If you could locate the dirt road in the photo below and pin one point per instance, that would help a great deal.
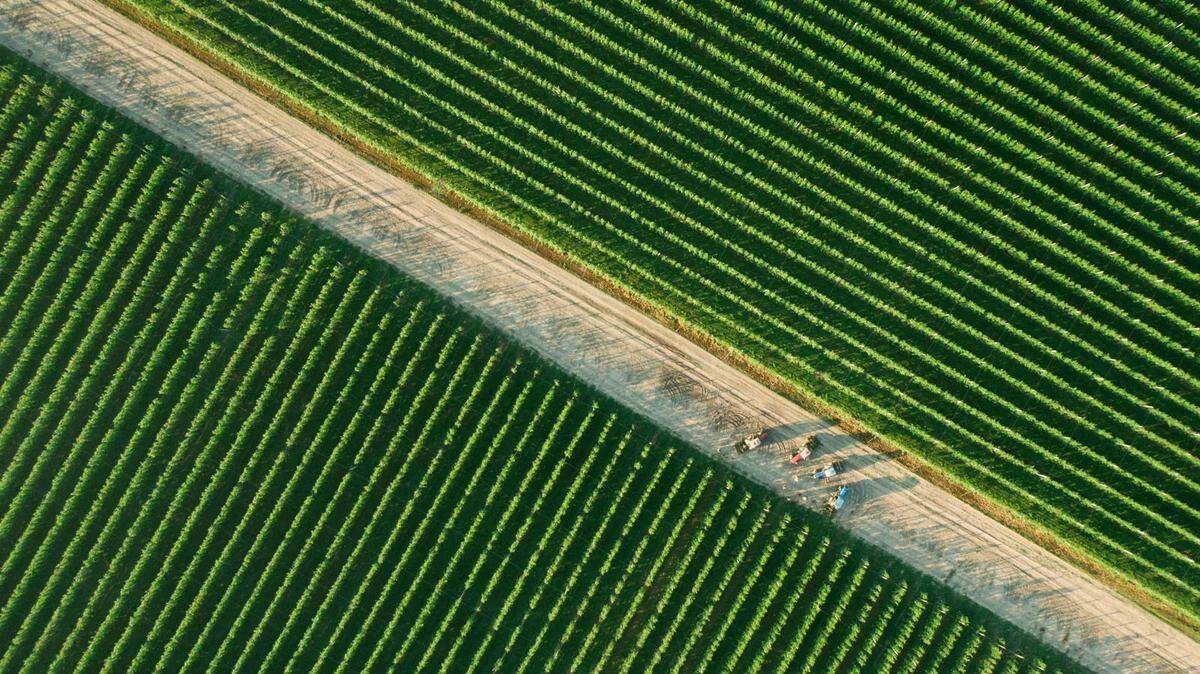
(623, 352)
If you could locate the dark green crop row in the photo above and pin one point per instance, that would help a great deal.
(232, 443)
(971, 228)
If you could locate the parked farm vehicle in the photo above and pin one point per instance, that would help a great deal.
(811, 442)
(836, 500)
(752, 441)
(831, 469)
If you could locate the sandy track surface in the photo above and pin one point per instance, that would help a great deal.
(595, 336)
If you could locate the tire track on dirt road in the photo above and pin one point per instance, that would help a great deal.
(595, 336)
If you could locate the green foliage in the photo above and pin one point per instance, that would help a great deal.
(233, 443)
(970, 227)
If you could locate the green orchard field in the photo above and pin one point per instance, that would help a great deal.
(971, 228)
(230, 442)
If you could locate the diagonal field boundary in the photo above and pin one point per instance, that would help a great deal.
(593, 335)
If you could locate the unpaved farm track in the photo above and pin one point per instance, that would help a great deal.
(597, 337)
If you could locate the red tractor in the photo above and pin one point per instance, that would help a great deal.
(811, 442)
(752, 441)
